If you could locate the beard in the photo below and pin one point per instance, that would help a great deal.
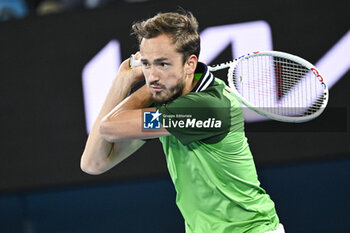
(172, 93)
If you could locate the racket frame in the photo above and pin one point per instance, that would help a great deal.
(292, 119)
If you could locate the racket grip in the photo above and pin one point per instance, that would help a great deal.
(134, 62)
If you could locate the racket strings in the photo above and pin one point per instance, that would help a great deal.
(278, 85)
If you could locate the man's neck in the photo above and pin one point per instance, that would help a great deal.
(190, 84)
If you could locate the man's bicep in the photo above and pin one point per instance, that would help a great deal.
(129, 125)
(122, 150)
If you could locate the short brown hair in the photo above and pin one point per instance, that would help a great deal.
(182, 28)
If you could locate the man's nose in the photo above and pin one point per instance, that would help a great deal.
(153, 75)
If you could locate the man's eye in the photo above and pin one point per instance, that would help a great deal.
(145, 64)
(163, 64)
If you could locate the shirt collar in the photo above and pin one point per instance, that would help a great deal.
(206, 78)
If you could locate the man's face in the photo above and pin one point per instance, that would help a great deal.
(163, 68)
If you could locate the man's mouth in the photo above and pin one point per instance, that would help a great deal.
(157, 88)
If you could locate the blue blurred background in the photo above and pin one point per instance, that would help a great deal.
(57, 54)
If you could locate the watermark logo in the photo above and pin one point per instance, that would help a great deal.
(151, 119)
(175, 121)
(157, 120)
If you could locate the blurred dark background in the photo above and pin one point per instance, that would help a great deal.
(50, 48)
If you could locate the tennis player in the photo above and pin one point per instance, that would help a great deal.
(208, 156)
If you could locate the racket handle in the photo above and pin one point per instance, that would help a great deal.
(134, 62)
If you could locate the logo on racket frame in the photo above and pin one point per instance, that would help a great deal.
(318, 76)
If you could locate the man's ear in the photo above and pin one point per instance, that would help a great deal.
(191, 64)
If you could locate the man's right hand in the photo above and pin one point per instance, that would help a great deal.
(133, 75)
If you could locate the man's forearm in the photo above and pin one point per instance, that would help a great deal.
(142, 98)
(95, 158)
(124, 122)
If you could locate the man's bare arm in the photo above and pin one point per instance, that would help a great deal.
(125, 122)
(99, 154)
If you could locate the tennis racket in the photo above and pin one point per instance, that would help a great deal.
(274, 84)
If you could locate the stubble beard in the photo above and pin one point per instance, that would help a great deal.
(174, 93)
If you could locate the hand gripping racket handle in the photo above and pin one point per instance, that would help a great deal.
(134, 62)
